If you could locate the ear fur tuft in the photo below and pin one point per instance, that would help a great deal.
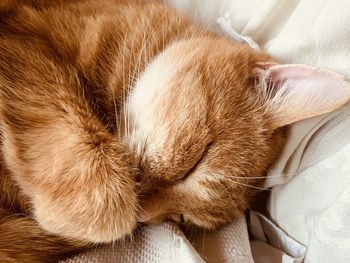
(296, 92)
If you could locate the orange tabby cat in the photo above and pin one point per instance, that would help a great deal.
(118, 112)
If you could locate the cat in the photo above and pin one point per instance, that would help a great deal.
(119, 112)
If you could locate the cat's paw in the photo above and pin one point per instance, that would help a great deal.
(93, 215)
(99, 205)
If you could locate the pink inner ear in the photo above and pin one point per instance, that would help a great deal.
(301, 91)
(282, 73)
(302, 72)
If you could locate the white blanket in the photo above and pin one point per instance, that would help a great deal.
(310, 199)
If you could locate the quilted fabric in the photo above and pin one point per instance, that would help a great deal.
(168, 243)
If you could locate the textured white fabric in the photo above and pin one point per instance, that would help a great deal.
(168, 244)
(314, 206)
(270, 244)
(311, 195)
(228, 244)
(153, 244)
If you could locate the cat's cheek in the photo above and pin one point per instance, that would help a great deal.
(95, 223)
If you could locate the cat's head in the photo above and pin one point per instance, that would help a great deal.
(206, 120)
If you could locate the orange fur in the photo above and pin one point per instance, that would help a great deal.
(114, 112)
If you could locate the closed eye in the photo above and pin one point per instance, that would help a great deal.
(200, 159)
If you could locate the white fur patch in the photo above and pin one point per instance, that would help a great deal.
(145, 106)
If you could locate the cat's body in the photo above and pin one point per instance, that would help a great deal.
(98, 95)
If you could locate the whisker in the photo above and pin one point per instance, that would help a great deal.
(249, 186)
(259, 177)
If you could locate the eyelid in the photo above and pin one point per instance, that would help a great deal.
(204, 153)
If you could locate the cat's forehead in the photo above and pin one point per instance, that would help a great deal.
(179, 80)
(163, 97)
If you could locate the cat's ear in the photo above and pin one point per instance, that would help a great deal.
(297, 92)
